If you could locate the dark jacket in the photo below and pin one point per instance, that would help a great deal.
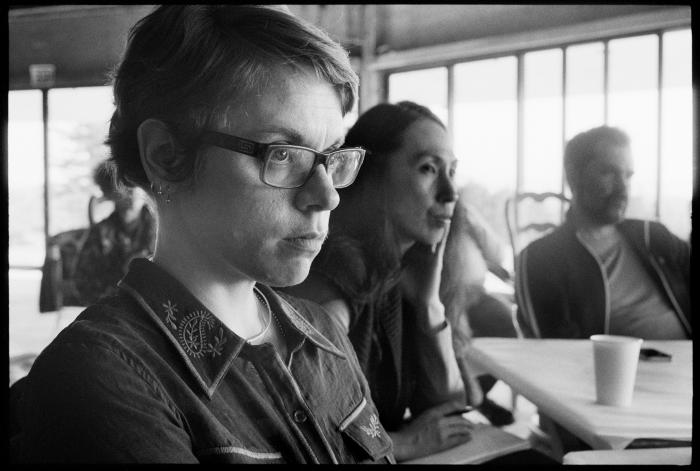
(562, 290)
(150, 375)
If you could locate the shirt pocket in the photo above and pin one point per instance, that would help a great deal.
(361, 427)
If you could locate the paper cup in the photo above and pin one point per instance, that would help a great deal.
(615, 360)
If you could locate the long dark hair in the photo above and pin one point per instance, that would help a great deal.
(361, 242)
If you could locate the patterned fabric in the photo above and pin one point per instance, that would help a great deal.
(151, 375)
(402, 365)
(105, 255)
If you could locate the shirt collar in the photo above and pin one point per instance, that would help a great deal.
(203, 342)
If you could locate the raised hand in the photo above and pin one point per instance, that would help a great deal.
(420, 282)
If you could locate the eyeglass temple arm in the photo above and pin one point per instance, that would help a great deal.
(233, 143)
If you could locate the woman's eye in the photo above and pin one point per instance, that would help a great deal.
(427, 168)
(280, 155)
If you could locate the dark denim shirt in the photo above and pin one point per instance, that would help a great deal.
(150, 375)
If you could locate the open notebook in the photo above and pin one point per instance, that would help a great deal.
(487, 443)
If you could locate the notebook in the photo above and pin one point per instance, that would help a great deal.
(487, 443)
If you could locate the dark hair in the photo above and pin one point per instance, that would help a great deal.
(359, 226)
(587, 146)
(184, 63)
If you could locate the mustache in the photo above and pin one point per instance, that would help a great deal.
(617, 196)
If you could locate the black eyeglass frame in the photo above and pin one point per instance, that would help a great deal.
(261, 151)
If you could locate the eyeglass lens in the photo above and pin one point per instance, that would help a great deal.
(289, 167)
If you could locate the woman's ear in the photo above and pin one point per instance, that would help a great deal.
(159, 152)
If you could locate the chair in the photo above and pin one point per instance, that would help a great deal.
(57, 274)
(521, 233)
(530, 216)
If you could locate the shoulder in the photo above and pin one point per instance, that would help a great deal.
(645, 233)
(114, 327)
(552, 242)
(642, 228)
(342, 262)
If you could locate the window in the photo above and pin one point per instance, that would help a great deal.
(514, 113)
(485, 119)
(412, 86)
(78, 125)
(25, 178)
(633, 107)
(676, 176)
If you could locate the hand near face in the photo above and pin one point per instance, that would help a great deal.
(430, 432)
(420, 281)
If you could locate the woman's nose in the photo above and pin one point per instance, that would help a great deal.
(447, 190)
(318, 193)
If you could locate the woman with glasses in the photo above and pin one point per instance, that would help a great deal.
(231, 118)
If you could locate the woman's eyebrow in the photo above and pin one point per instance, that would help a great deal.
(296, 138)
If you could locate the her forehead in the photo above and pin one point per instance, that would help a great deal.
(426, 138)
(293, 103)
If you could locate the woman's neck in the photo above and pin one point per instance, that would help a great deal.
(227, 294)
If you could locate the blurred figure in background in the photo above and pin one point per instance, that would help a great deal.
(600, 273)
(127, 233)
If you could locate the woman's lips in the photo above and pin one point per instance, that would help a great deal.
(440, 219)
(306, 242)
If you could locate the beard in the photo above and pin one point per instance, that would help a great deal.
(610, 210)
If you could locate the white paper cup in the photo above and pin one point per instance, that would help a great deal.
(615, 359)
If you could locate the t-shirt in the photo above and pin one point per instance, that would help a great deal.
(637, 306)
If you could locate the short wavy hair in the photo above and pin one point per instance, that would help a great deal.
(586, 146)
(184, 63)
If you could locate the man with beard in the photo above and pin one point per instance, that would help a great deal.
(599, 273)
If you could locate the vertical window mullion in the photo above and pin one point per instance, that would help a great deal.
(450, 102)
(659, 125)
(45, 123)
(564, 93)
(520, 149)
(606, 81)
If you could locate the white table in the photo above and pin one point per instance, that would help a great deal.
(557, 376)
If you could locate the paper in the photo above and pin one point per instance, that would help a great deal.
(487, 442)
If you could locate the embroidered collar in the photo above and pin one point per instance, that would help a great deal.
(204, 343)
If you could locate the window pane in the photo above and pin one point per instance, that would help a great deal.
(25, 178)
(585, 104)
(485, 114)
(633, 107)
(542, 125)
(677, 133)
(78, 124)
(427, 87)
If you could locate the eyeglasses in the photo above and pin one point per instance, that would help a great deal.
(288, 166)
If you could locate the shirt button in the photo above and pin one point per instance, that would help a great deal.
(299, 416)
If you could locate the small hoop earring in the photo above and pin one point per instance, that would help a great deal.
(161, 190)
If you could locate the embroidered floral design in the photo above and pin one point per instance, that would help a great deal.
(193, 335)
(373, 430)
(219, 341)
(170, 310)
